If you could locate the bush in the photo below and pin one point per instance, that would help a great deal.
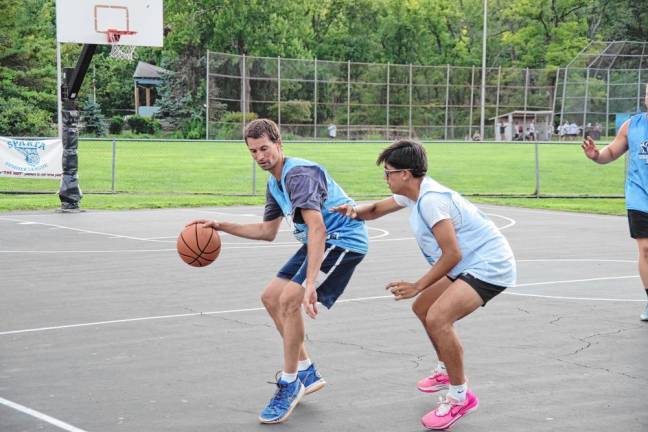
(20, 118)
(116, 125)
(143, 125)
(230, 124)
(294, 112)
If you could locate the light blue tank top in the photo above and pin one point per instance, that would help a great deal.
(341, 231)
(485, 252)
(636, 186)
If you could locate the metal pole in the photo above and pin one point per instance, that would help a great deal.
(279, 92)
(114, 164)
(537, 171)
(587, 73)
(315, 104)
(348, 99)
(564, 95)
(58, 90)
(94, 84)
(607, 104)
(526, 91)
(639, 89)
(472, 99)
(499, 78)
(387, 135)
(253, 177)
(555, 95)
(483, 83)
(243, 95)
(410, 102)
(445, 128)
(207, 98)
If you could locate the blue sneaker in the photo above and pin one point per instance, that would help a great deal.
(644, 314)
(283, 402)
(311, 379)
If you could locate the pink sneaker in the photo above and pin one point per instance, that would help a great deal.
(436, 382)
(449, 411)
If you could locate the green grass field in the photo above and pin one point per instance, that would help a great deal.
(178, 174)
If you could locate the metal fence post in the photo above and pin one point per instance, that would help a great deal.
(315, 103)
(587, 74)
(526, 95)
(410, 101)
(207, 98)
(497, 100)
(279, 92)
(387, 135)
(114, 164)
(564, 96)
(639, 87)
(537, 171)
(607, 104)
(445, 128)
(348, 99)
(243, 98)
(253, 177)
(472, 99)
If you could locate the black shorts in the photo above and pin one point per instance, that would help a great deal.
(638, 222)
(336, 270)
(485, 290)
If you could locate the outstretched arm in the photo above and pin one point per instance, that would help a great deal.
(610, 152)
(369, 211)
(266, 230)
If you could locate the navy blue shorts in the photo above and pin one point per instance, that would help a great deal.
(336, 270)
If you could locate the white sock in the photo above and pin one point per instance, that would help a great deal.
(302, 365)
(441, 368)
(458, 392)
(288, 377)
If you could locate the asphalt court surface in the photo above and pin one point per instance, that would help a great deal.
(104, 328)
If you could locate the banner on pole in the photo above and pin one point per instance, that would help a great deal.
(31, 158)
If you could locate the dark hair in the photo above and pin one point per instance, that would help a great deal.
(405, 154)
(259, 127)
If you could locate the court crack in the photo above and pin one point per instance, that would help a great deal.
(416, 360)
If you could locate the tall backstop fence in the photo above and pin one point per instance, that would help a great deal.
(318, 99)
(165, 167)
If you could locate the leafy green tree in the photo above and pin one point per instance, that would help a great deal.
(27, 66)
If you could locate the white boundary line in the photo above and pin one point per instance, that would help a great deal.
(358, 299)
(39, 415)
(378, 238)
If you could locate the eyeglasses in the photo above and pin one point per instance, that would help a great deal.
(389, 171)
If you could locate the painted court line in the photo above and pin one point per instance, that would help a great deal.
(39, 415)
(358, 299)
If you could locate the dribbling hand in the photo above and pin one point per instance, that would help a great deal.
(207, 223)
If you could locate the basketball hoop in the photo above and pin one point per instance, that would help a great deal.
(120, 52)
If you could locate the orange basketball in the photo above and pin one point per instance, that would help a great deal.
(198, 245)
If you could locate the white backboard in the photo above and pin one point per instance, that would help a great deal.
(88, 21)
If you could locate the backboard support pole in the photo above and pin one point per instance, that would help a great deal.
(69, 191)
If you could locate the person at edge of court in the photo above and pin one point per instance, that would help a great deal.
(470, 263)
(633, 139)
(332, 246)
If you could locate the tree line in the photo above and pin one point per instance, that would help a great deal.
(540, 34)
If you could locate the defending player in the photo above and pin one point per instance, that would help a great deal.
(333, 245)
(470, 263)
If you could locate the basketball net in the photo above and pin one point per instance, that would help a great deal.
(120, 52)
